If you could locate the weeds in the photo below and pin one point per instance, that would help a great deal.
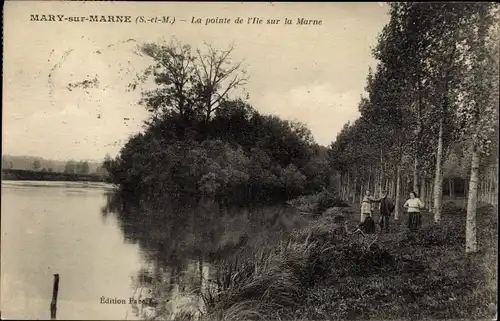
(314, 275)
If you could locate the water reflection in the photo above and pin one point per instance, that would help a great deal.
(56, 227)
(181, 241)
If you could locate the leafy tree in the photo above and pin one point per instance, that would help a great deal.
(478, 110)
(82, 167)
(36, 165)
(190, 83)
(70, 167)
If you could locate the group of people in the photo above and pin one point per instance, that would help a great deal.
(413, 205)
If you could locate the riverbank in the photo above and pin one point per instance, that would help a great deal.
(319, 274)
(71, 185)
(27, 175)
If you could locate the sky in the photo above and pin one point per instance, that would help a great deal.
(315, 74)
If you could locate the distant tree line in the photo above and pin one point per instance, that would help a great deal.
(199, 142)
(46, 165)
(73, 167)
(45, 175)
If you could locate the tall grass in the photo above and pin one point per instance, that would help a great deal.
(267, 283)
(314, 274)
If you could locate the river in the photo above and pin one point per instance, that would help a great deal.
(106, 250)
(54, 227)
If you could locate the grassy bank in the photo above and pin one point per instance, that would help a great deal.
(403, 276)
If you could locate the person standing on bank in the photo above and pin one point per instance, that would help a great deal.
(386, 209)
(413, 205)
(367, 224)
(366, 206)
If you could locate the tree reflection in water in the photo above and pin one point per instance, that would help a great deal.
(180, 241)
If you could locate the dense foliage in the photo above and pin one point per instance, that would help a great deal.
(199, 142)
(246, 157)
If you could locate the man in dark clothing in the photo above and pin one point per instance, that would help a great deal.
(386, 209)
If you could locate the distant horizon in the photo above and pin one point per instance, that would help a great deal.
(91, 160)
(94, 160)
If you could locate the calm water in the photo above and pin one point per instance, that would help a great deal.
(51, 227)
(103, 246)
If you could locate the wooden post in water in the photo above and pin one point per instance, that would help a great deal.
(53, 304)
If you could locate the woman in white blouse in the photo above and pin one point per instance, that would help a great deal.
(413, 205)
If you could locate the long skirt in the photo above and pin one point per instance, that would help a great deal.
(414, 220)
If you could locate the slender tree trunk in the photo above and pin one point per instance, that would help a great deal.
(416, 167)
(381, 170)
(485, 186)
(438, 180)
(450, 188)
(361, 199)
(200, 268)
(423, 197)
(490, 186)
(470, 233)
(483, 189)
(361, 191)
(495, 194)
(393, 186)
(431, 193)
(355, 190)
(369, 179)
(478, 191)
(352, 196)
(429, 199)
(398, 191)
(343, 185)
(484, 179)
(405, 186)
(415, 174)
(346, 197)
(427, 194)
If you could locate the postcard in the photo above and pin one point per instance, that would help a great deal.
(249, 160)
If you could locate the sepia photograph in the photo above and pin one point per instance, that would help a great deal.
(234, 161)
